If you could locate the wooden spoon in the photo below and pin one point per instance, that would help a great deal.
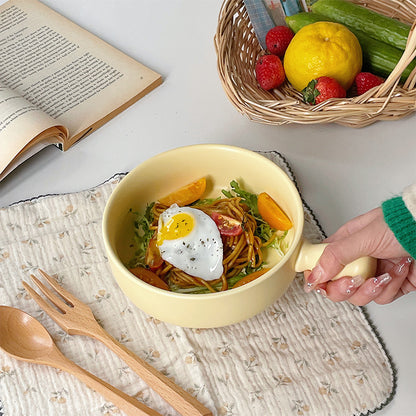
(24, 338)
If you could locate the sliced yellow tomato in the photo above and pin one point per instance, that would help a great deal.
(149, 277)
(185, 195)
(272, 213)
(250, 277)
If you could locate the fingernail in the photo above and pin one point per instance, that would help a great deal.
(381, 281)
(354, 283)
(315, 275)
(322, 292)
(398, 267)
(308, 287)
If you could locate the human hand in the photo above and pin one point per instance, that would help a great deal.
(365, 235)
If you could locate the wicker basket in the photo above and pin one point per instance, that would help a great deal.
(238, 50)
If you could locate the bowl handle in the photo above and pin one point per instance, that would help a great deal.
(309, 255)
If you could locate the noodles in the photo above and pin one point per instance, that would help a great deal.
(241, 233)
(240, 251)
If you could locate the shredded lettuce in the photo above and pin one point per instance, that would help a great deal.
(202, 202)
(142, 235)
(247, 197)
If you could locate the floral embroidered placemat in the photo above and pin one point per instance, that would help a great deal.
(303, 356)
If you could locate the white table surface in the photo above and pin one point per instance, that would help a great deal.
(342, 172)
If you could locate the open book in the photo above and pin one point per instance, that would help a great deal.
(58, 82)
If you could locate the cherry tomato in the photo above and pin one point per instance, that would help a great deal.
(227, 225)
(153, 258)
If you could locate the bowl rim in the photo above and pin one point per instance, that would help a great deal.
(220, 147)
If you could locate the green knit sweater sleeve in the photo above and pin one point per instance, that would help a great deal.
(401, 220)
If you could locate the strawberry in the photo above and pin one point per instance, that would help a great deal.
(278, 39)
(269, 72)
(321, 89)
(364, 81)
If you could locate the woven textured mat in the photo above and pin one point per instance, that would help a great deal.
(304, 355)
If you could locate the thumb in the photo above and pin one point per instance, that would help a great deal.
(339, 253)
(356, 224)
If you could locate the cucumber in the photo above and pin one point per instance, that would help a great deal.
(379, 27)
(297, 21)
(378, 57)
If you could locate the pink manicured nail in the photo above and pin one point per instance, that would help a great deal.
(381, 281)
(354, 283)
(315, 275)
(322, 292)
(313, 279)
(308, 287)
(398, 267)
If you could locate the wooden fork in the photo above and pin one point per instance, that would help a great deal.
(76, 318)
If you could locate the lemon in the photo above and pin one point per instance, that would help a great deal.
(323, 49)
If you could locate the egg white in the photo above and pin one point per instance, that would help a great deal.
(199, 253)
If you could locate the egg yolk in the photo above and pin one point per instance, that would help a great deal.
(179, 226)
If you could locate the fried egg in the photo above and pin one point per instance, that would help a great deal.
(189, 239)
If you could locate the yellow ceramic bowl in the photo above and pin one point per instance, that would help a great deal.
(168, 171)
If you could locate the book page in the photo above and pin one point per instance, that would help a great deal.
(64, 70)
(22, 126)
